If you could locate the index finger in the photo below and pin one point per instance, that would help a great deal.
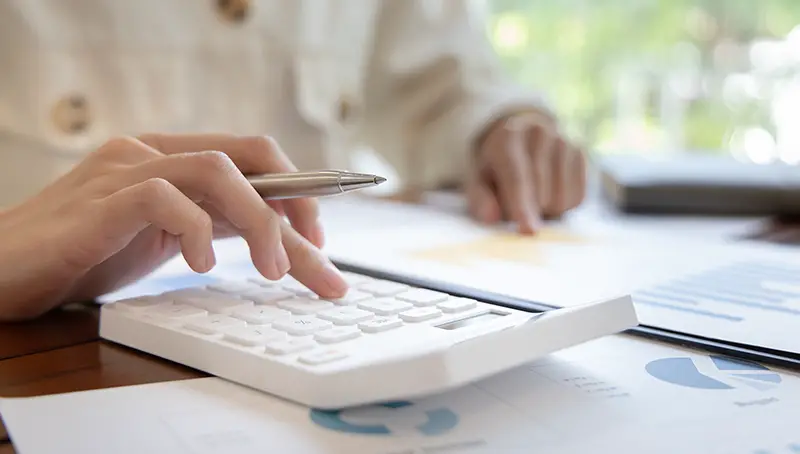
(252, 155)
(514, 180)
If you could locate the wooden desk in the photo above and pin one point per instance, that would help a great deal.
(62, 352)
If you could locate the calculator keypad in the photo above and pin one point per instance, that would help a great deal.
(284, 317)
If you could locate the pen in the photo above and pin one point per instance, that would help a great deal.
(275, 186)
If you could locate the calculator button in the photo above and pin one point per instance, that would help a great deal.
(260, 315)
(352, 297)
(457, 305)
(380, 324)
(262, 282)
(294, 345)
(142, 303)
(221, 303)
(383, 288)
(301, 325)
(422, 297)
(230, 287)
(385, 306)
(176, 311)
(213, 324)
(253, 335)
(181, 294)
(266, 296)
(297, 288)
(322, 357)
(346, 315)
(303, 306)
(337, 334)
(420, 314)
(354, 279)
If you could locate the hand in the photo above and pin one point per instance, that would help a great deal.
(525, 170)
(135, 203)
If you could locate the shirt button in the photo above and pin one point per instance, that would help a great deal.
(346, 111)
(234, 10)
(71, 114)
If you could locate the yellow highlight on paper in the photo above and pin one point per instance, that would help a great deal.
(507, 247)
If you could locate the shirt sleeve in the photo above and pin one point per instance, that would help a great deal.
(434, 85)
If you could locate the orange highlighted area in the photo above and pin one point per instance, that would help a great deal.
(507, 247)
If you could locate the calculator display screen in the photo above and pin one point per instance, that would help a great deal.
(474, 320)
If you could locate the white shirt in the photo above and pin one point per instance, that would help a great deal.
(414, 80)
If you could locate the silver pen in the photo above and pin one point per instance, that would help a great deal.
(275, 186)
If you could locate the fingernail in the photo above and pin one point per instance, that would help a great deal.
(282, 263)
(210, 259)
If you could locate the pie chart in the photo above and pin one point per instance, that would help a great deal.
(726, 374)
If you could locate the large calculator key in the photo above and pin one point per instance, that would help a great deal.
(354, 279)
(222, 303)
(422, 297)
(260, 315)
(231, 287)
(385, 306)
(347, 315)
(454, 305)
(380, 324)
(263, 282)
(213, 324)
(176, 312)
(322, 357)
(142, 303)
(352, 297)
(301, 325)
(383, 288)
(184, 293)
(420, 314)
(253, 335)
(304, 306)
(337, 334)
(297, 288)
(292, 345)
(266, 296)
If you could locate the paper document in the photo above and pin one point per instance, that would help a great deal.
(615, 394)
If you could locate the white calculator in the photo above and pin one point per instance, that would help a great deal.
(383, 341)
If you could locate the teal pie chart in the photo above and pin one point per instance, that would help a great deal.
(727, 374)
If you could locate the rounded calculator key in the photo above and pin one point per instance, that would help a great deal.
(385, 306)
(291, 345)
(337, 334)
(181, 294)
(231, 287)
(304, 306)
(219, 304)
(354, 279)
(380, 324)
(262, 282)
(301, 325)
(141, 303)
(213, 324)
(266, 296)
(454, 305)
(322, 357)
(422, 297)
(346, 315)
(383, 288)
(297, 288)
(176, 312)
(260, 315)
(253, 336)
(420, 314)
(352, 297)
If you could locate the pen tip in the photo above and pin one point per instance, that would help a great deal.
(379, 180)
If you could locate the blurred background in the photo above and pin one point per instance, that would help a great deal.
(662, 76)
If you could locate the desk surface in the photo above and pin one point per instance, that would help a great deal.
(62, 352)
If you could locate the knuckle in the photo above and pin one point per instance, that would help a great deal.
(262, 144)
(153, 190)
(214, 163)
(116, 145)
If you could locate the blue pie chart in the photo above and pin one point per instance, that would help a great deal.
(683, 371)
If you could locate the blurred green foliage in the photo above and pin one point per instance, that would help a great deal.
(577, 51)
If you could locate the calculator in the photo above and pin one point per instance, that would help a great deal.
(383, 341)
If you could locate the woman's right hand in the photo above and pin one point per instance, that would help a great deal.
(136, 202)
